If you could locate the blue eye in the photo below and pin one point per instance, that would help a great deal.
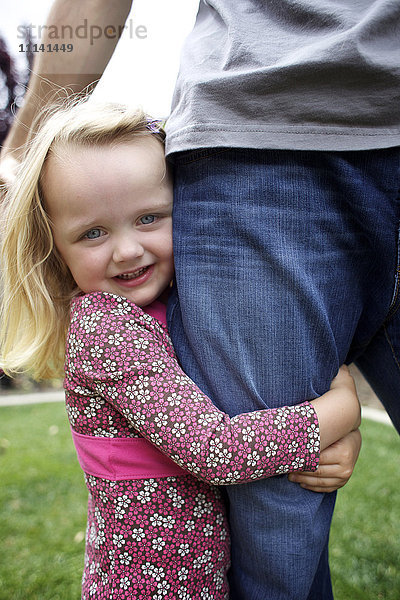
(93, 234)
(147, 219)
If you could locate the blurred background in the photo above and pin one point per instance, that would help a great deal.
(144, 66)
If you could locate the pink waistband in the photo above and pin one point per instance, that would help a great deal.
(122, 458)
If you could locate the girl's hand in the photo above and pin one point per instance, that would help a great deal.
(338, 410)
(336, 465)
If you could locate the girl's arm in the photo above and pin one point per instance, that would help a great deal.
(117, 352)
(338, 408)
(336, 465)
(339, 457)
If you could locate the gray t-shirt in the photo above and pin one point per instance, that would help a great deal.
(289, 74)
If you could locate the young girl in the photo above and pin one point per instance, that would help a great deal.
(89, 220)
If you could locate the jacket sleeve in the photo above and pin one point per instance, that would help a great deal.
(124, 356)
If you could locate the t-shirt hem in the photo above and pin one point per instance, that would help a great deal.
(290, 138)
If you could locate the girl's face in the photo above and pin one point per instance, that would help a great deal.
(111, 213)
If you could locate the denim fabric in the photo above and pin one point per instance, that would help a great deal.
(286, 267)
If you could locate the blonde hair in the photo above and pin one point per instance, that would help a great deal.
(37, 286)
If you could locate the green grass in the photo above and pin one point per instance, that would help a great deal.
(42, 505)
(365, 539)
(43, 512)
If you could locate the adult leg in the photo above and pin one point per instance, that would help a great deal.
(380, 364)
(275, 257)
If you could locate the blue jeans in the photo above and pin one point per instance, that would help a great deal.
(286, 267)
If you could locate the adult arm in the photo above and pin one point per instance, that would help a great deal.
(56, 74)
(126, 361)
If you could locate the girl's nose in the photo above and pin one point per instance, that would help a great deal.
(127, 248)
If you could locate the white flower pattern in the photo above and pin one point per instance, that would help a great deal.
(151, 538)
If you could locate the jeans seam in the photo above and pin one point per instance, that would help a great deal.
(394, 304)
(393, 307)
(364, 345)
(391, 346)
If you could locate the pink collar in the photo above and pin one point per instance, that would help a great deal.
(158, 310)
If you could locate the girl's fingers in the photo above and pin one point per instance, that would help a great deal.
(334, 485)
(335, 467)
(327, 478)
(320, 484)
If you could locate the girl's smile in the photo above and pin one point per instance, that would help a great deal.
(111, 214)
(134, 278)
